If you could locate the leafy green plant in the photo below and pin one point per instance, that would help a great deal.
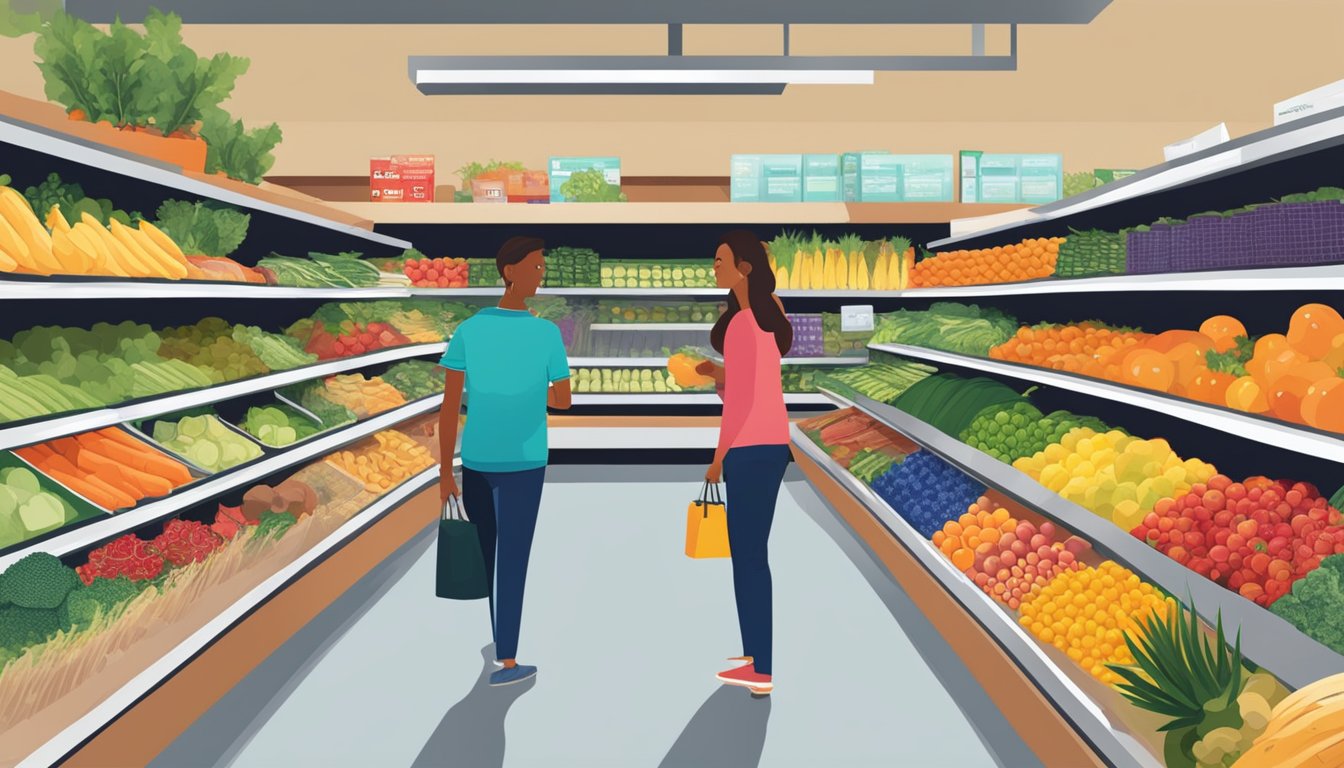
(591, 186)
(474, 169)
(27, 17)
(240, 153)
(204, 228)
(184, 85)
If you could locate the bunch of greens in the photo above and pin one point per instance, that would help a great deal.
(234, 150)
(1316, 604)
(209, 229)
(27, 17)
(473, 169)
(968, 330)
(73, 203)
(591, 186)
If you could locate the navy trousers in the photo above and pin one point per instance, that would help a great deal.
(504, 506)
(753, 475)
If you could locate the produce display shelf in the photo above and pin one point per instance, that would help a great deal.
(26, 433)
(39, 139)
(117, 702)
(85, 288)
(1292, 437)
(1322, 278)
(661, 362)
(1120, 749)
(1266, 639)
(691, 398)
(1281, 142)
(705, 327)
(91, 534)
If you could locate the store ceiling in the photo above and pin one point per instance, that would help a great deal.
(600, 11)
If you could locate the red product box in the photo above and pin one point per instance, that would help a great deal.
(402, 178)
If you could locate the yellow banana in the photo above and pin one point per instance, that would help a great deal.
(130, 262)
(73, 259)
(15, 208)
(162, 263)
(88, 239)
(162, 240)
(13, 244)
(56, 219)
(7, 263)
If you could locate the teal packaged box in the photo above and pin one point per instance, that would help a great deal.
(745, 179)
(880, 178)
(851, 175)
(821, 179)
(782, 178)
(999, 179)
(1040, 178)
(970, 175)
(926, 178)
(563, 167)
(1107, 175)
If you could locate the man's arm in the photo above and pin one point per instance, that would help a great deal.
(450, 417)
(559, 396)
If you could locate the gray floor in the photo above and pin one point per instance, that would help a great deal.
(627, 633)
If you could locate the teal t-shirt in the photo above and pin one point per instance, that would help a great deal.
(510, 358)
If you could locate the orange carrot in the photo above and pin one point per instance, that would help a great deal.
(103, 495)
(57, 461)
(154, 464)
(123, 437)
(66, 446)
(109, 472)
(152, 485)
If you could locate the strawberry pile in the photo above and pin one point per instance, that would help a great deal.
(128, 556)
(186, 541)
(436, 273)
(352, 339)
(1255, 537)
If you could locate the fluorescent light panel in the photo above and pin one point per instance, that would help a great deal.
(641, 76)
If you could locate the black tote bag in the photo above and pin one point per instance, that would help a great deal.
(461, 566)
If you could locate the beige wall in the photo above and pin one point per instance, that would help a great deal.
(1108, 94)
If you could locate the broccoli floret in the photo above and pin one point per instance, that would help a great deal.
(22, 627)
(39, 580)
(1316, 604)
(103, 596)
(274, 524)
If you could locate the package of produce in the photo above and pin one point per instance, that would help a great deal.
(1105, 603)
(279, 425)
(657, 274)
(384, 462)
(415, 379)
(1119, 477)
(950, 403)
(881, 381)
(967, 330)
(808, 340)
(927, 491)
(845, 438)
(311, 396)
(363, 397)
(572, 268)
(840, 343)
(1091, 253)
(109, 467)
(32, 504)
(1007, 558)
(1030, 259)
(1256, 537)
(323, 270)
(483, 273)
(615, 311)
(629, 381)
(206, 442)
(1010, 432)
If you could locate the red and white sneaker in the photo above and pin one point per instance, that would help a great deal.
(747, 677)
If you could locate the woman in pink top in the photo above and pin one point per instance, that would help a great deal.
(753, 449)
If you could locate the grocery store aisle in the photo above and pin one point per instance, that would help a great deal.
(627, 632)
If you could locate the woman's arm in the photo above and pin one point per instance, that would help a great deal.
(450, 417)
(559, 395)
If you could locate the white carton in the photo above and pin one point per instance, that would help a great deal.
(1319, 100)
(1210, 138)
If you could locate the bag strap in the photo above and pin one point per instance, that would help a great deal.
(454, 510)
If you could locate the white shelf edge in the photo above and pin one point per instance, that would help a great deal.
(1081, 710)
(107, 159)
(184, 289)
(1278, 434)
(661, 362)
(687, 398)
(61, 426)
(704, 327)
(70, 739)
(1268, 640)
(109, 526)
(1286, 140)
(632, 438)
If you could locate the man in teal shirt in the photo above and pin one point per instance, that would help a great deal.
(512, 366)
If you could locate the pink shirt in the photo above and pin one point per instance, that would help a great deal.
(753, 393)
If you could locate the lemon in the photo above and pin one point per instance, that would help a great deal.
(1127, 515)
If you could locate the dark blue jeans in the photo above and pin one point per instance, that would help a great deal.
(753, 475)
(504, 506)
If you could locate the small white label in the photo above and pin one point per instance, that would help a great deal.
(855, 319)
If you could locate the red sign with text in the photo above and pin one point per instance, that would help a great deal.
(401, 179)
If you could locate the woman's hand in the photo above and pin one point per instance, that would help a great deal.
(715, 472)
(711, 369)
(448, 484)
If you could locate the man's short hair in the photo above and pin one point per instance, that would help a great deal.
(514, 250)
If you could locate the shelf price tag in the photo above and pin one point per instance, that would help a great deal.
(856, 318)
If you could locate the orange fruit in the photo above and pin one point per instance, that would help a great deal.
(1245, 394)
(1209, 387)
(1223, 330)
(1285, 397)
(1313, 330)
(1323, 405)
(1148, 369)
(1166, 341)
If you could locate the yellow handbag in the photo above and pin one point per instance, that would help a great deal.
(707, 525)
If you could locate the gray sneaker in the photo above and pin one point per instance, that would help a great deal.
(511, 675)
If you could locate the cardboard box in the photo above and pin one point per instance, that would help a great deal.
(1317, 100)
(821, 179)
(782, 178)
(1010, 178)
(999, 179)
(926, 178)
(1040, 178)
(561, 168)
(745, 179)
(402, 178)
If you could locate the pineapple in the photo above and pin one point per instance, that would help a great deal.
(898, 268)
(852, 248)
(782, 251)
(804, 264)
(799, 263)
(828, 276)
(880, 281)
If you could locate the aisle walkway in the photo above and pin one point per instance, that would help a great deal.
(627, 632)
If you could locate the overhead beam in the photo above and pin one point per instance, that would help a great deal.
(599, 11)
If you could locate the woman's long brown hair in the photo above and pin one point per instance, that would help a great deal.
(747, 247)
